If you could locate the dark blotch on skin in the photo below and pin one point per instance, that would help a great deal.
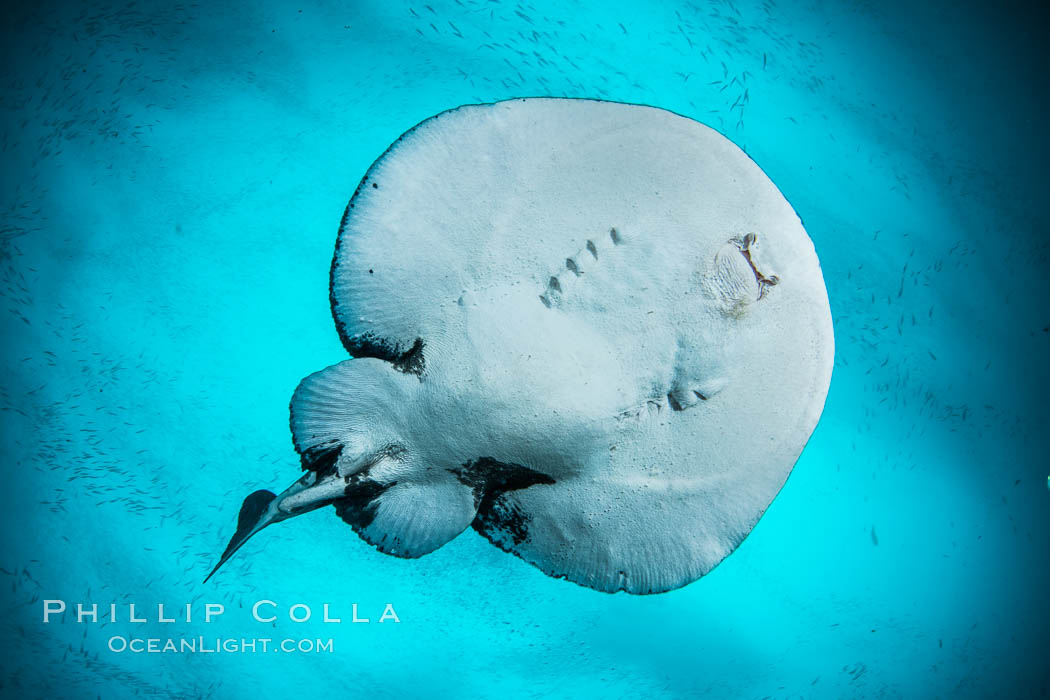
(410, 361)
(489, 480)
(358, 507)
(505, 517)
(321, 458)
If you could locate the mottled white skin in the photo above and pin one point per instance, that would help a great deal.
(643, 217)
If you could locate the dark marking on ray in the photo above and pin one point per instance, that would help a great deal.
(342, 224)
(412, 362)
(409, 361)
(488, 477)
(321, 458)
(570, 265)
(615, 236)
(358, 507)
(592, 248)
(503, 517)
(673, 402)
(490, 480)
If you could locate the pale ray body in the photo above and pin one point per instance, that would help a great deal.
(597, 332)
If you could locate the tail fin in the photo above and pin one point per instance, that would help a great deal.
(249, 519)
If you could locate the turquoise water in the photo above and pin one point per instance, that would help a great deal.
(173, 177)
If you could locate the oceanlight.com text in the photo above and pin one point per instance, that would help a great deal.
(218, 645)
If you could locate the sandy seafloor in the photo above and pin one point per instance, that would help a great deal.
(173, 176)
